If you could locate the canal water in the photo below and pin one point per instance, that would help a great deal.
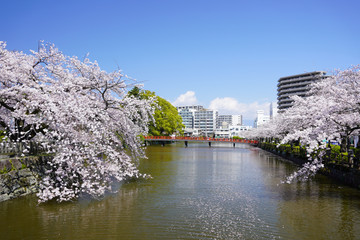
(198, 193)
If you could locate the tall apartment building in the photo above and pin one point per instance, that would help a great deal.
(229, 120)
(296, 85)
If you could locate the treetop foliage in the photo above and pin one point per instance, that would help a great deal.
(167, 120)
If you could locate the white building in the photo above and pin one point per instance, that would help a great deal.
(231, 131)
(229, 120)
(238, 131)
(261, 118)
(222, 133)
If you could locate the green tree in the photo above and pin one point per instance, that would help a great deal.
(167, 119)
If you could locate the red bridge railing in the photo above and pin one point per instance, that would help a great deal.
(200, 139)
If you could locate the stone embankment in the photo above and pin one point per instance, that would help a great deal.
(19, 176)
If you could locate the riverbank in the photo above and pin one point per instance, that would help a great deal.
(345, 175)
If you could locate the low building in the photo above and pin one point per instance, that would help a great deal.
(222, 133)
(231, 131)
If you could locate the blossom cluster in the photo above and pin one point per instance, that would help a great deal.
(80, 112)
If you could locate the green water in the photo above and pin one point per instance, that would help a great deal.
(197, 193)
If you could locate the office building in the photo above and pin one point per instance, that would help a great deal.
(205, 121)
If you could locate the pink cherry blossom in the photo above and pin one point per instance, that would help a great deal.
(78, 112)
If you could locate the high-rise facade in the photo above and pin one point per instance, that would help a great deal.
(295, 85)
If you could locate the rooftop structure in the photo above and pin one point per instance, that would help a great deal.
(194, 107)
(295, 85)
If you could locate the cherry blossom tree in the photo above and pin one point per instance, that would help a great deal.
(331, 111)
(78, 112)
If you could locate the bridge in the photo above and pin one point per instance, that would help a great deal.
(186, 140)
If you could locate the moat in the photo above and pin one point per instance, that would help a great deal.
(198, 192)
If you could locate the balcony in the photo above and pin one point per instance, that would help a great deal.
(313, 76)
(295, 91)
(285, 101)
(295, 85)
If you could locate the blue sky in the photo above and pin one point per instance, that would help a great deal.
(221, 54)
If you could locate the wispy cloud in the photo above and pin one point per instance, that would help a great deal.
(185, 99)
(226, 105)
(229, 105)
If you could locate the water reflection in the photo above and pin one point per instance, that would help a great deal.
(316, 209)
(198, 193)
